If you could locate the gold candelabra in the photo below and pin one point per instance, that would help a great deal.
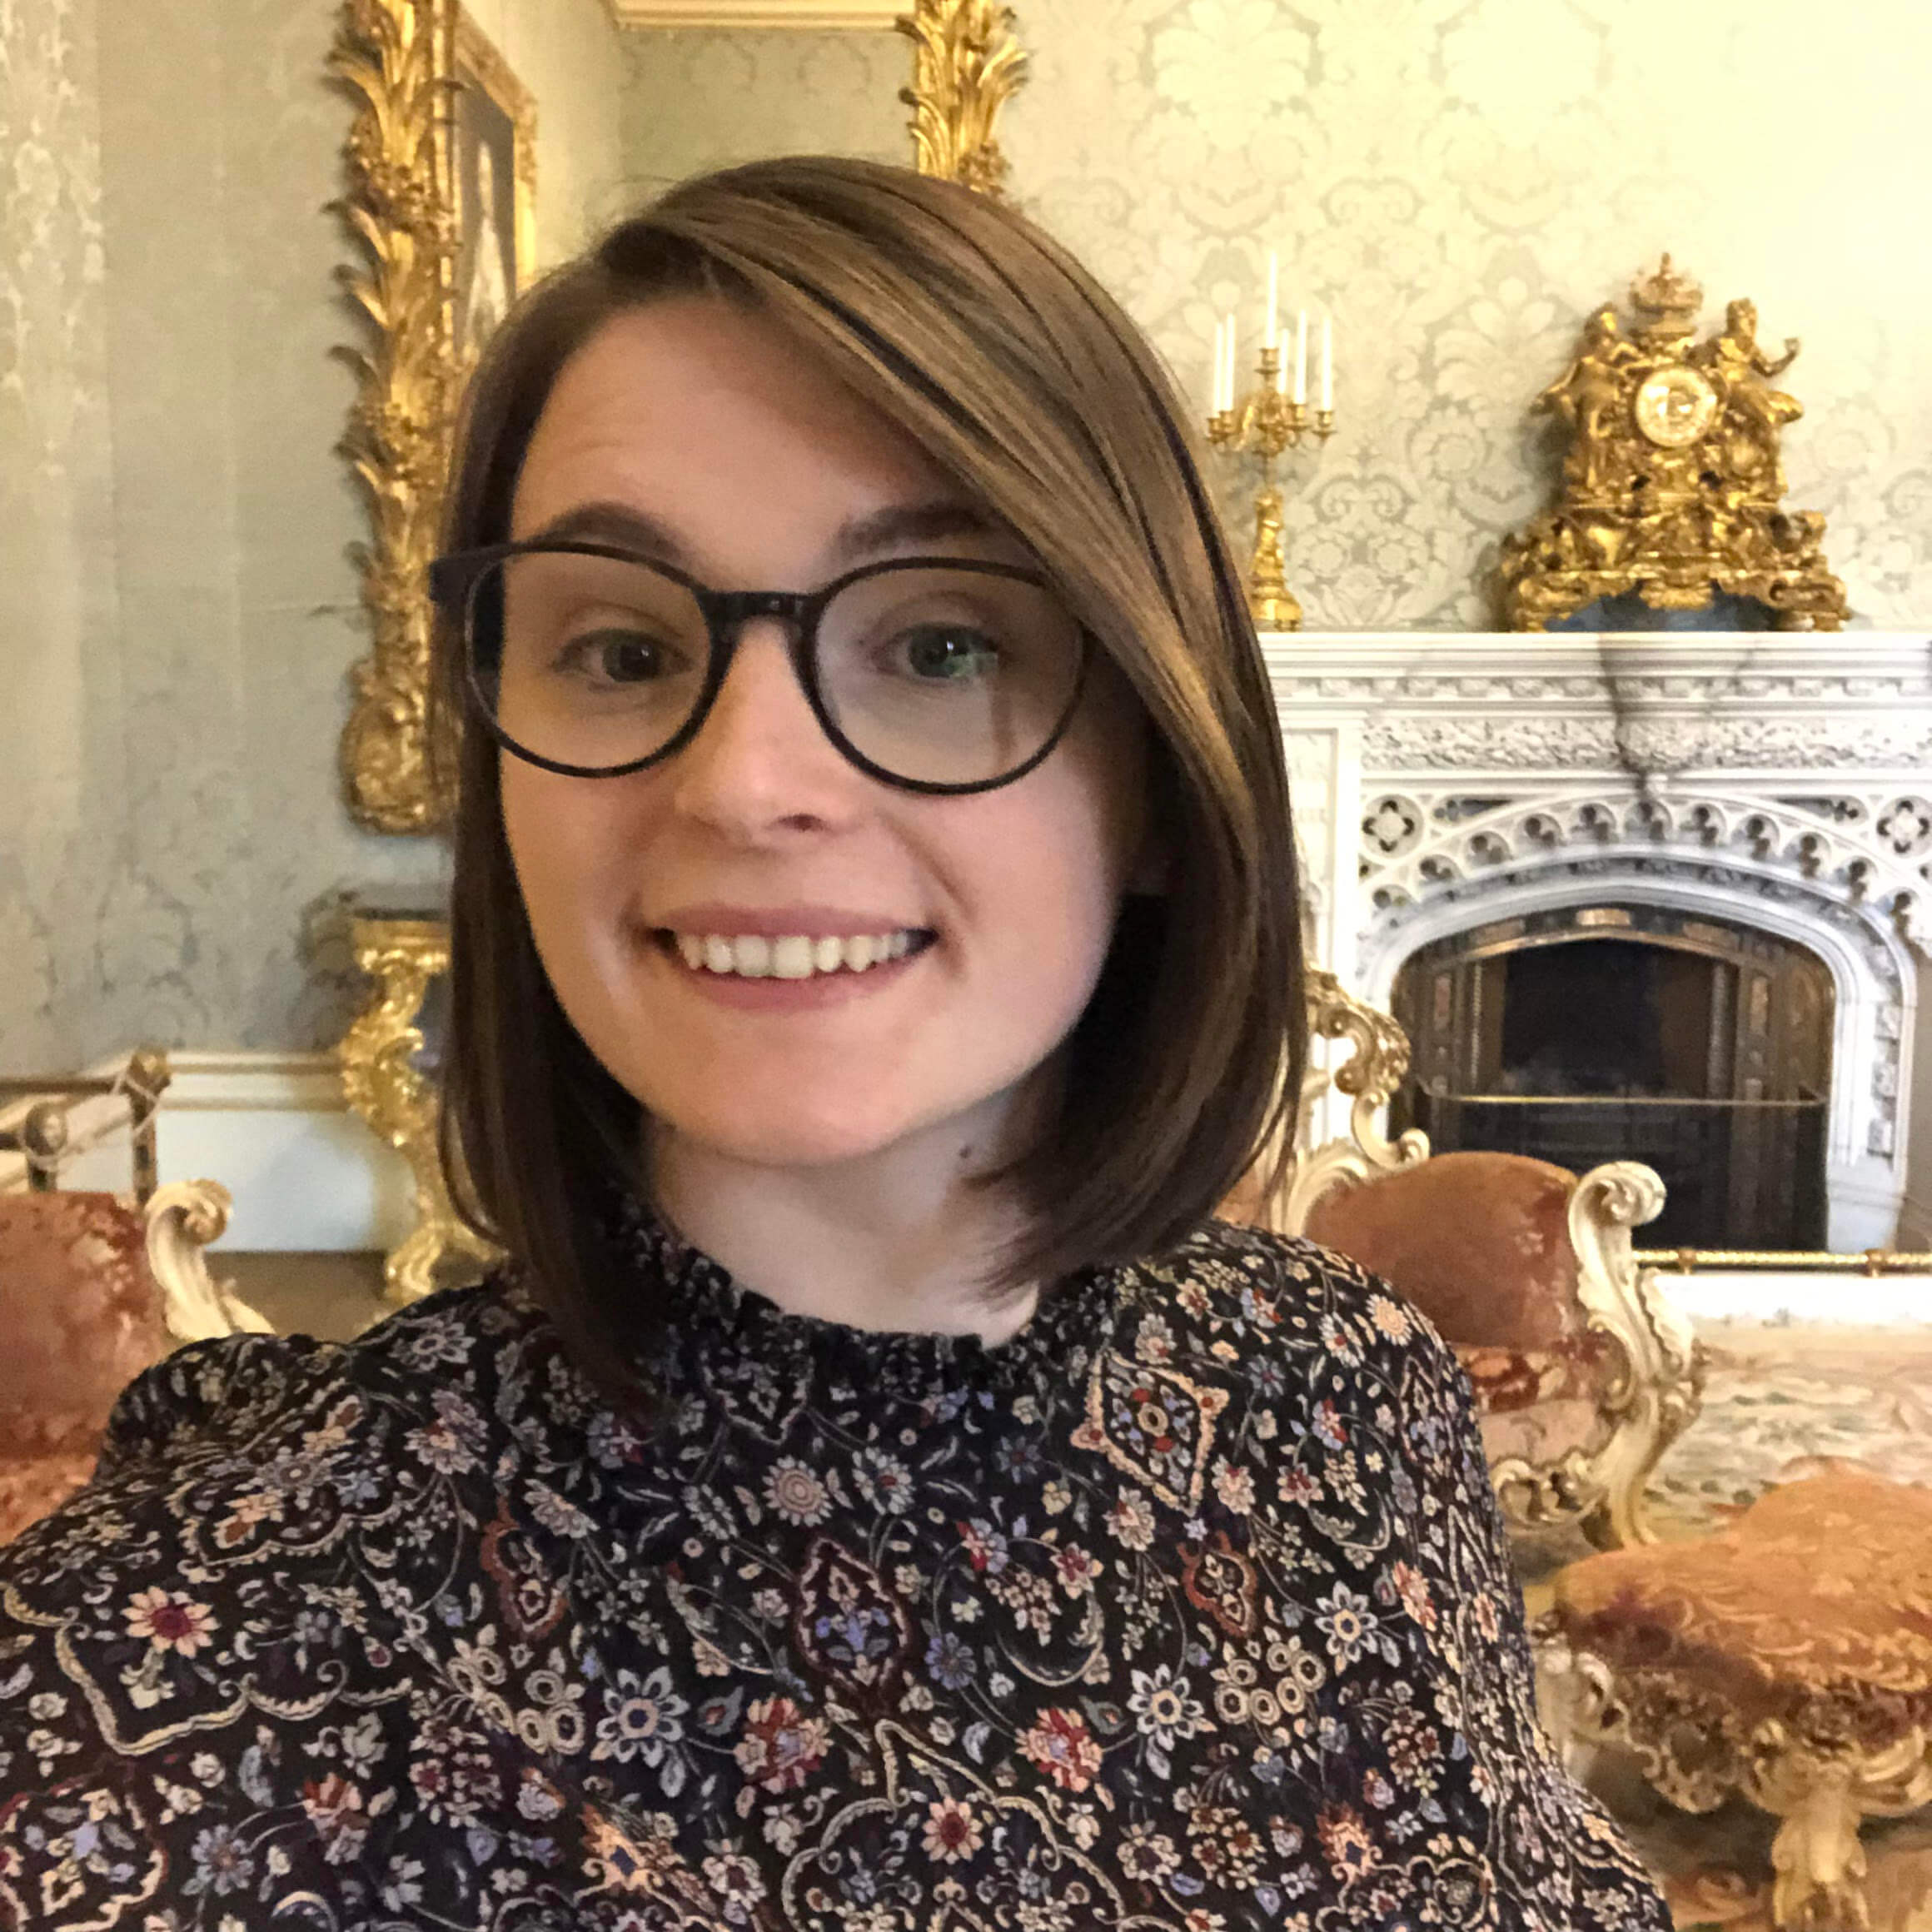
(1266, 423)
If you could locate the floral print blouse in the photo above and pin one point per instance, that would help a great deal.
(1185, 1610)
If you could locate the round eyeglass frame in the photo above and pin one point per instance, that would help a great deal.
(455, 579)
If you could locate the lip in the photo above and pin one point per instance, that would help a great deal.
(807, 922)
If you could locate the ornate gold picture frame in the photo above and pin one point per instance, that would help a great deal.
(445, 241)
(433, 96)
(492, 162)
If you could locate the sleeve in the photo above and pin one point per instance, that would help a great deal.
(1553, 1850)
(141, 1785)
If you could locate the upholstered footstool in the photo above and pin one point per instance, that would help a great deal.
(1789, 1658)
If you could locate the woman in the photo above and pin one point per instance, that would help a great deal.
(877, 1494)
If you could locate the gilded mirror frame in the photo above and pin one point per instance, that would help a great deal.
(405, 60)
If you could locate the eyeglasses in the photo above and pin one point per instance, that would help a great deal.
(933, 674)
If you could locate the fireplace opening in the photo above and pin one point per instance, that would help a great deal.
(1625, 1033)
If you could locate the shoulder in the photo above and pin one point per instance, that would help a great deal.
(210, 1450)
(1256, 1290)
(1305, 1329)
(265, 1510)
(221, 1394)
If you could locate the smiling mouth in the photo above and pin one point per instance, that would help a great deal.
(794, 956)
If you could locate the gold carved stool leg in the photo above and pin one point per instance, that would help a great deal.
(1822, 1801)
(383, 1084)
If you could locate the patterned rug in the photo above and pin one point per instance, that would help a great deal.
(1788, 1400)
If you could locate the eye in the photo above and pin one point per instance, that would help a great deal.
(948, 653)
(616, 656)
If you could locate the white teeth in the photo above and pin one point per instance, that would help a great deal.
(795, 956)
(751, 956)
(791, 958)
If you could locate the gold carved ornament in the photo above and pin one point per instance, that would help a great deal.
(395, 55)
(1673, 481)
(405, 60)
(1266, 423)
(966, 64)
(385, 1086)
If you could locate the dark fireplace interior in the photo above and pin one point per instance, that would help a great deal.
(1614, 1032)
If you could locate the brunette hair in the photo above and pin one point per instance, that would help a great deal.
(983, 340)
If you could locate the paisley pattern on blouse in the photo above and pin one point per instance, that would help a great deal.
(1186, 1610)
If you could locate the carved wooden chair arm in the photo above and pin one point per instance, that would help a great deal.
(182, 1218)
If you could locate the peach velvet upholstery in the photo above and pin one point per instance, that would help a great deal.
(80, 1316)
(1480, 1243)
(1814, 1609)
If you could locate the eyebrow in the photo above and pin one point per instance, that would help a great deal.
(856, 539)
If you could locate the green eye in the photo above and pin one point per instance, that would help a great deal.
(949, 653)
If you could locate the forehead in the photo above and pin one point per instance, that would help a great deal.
(703, 416)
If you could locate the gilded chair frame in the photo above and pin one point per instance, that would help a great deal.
(1654, 1395)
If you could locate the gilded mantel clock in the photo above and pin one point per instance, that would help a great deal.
(1673, 477)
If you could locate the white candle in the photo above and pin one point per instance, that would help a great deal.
(1214, 372)
(1231, 354)
(1327, 362)
(1301, 395)
(1271, 335)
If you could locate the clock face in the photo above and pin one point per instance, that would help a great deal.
(1675, 406)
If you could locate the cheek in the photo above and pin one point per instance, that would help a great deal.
(563, 837)
(1048, 873)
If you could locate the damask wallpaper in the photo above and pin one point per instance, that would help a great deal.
(176, 530)
(1458, 182)
(62, 711)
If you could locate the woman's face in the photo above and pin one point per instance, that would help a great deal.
(727, 453)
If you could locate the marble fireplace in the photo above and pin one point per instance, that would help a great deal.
(1746, 817)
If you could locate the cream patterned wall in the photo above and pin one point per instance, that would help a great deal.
(1459, 182)
(60, 714)
(704, 98)
(178, 600)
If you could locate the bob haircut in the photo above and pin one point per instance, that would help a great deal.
(985, 342)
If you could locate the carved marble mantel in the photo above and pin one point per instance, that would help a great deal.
(1779, 779)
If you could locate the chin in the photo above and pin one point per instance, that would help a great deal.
(795, 1135)
(793, 1146)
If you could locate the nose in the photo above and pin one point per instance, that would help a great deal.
(760, 763)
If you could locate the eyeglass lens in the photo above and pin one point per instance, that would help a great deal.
(936, 675)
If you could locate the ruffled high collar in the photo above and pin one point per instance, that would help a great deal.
(718, 1331)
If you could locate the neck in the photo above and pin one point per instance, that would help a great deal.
(895, 1239)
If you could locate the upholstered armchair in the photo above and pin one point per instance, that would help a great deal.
(94, 1287)
(1583, 1370)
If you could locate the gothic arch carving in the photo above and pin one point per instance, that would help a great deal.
(1874, 976)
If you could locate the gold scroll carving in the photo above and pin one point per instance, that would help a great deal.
(966, 65)
(1673, 480)
(383, 1083)
(413, 65)
(397, 55)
